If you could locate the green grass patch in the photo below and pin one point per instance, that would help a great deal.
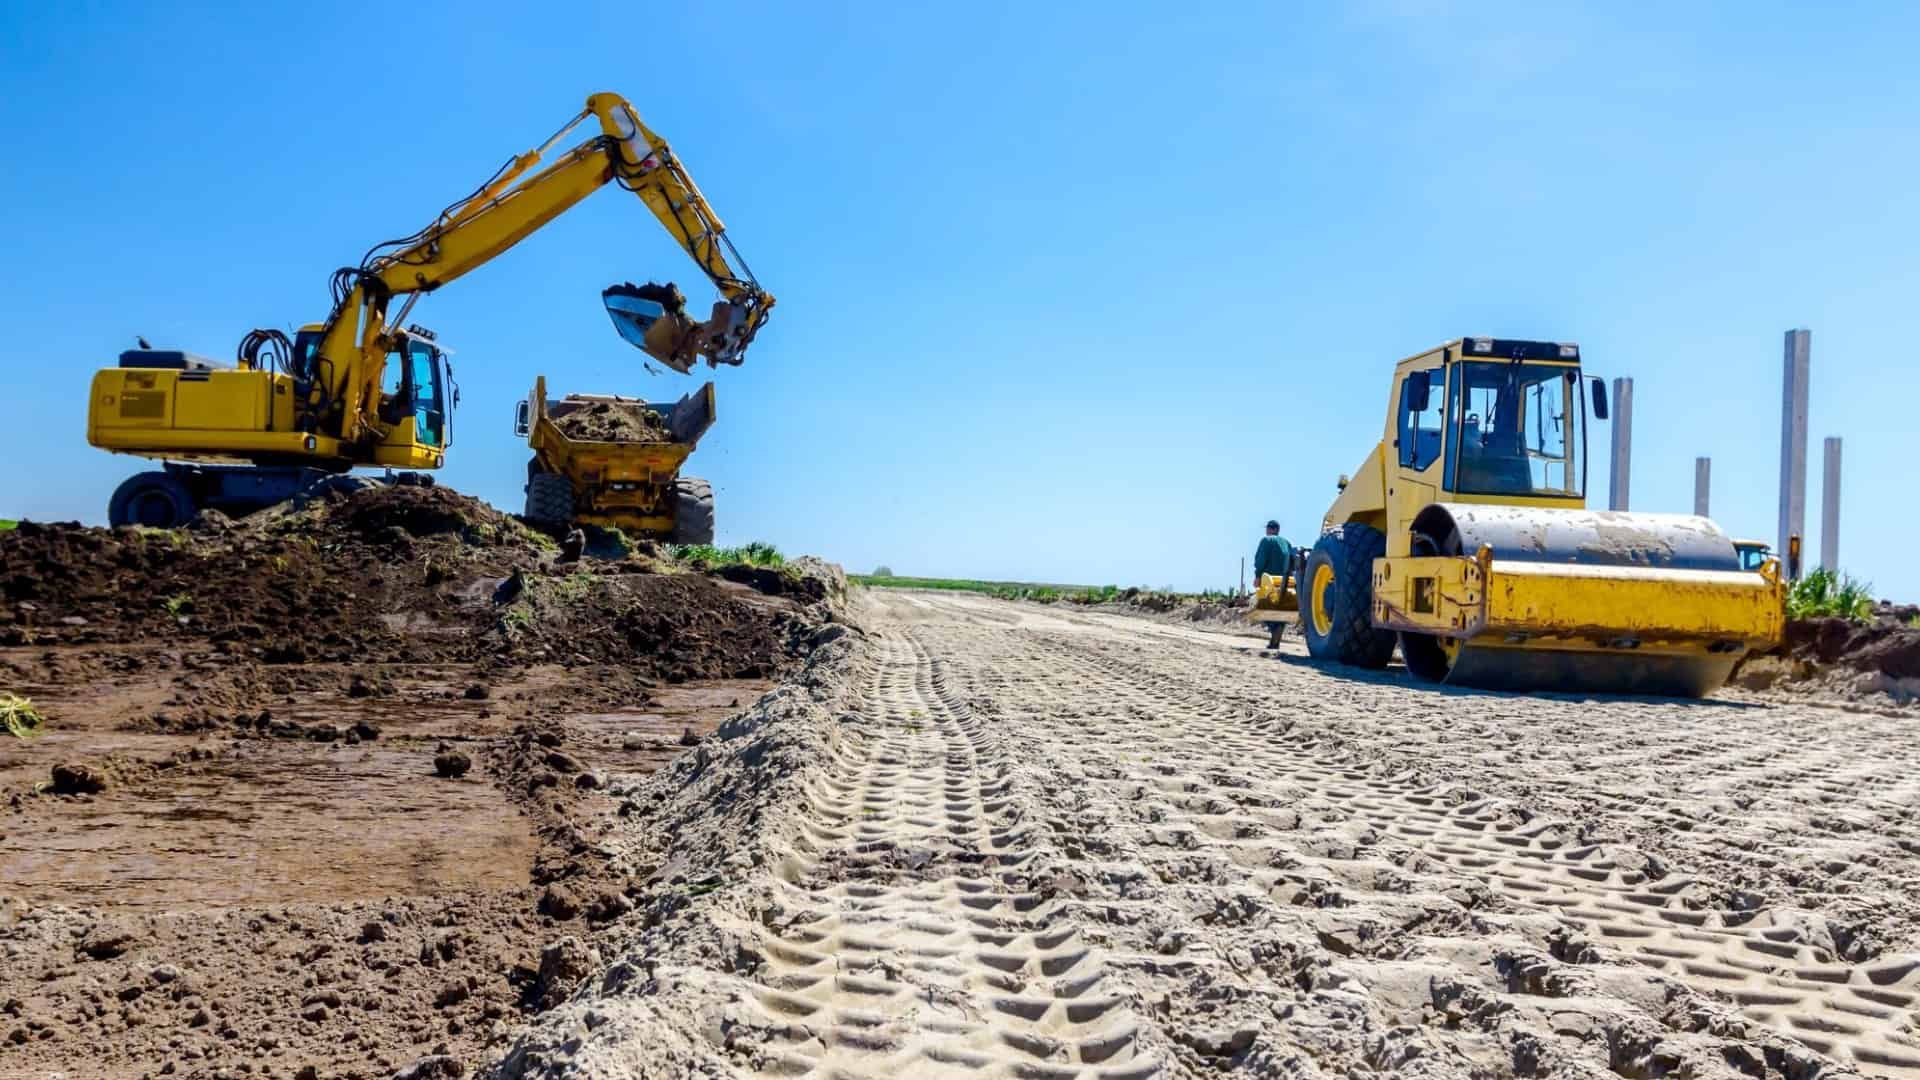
(6, 523)
(1041, 592)
(758, 553)
(19, 718)
(1825, 594)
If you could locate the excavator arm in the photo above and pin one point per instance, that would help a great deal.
(511, 206)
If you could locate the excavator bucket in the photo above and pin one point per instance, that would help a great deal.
(653, 319)
(1527, 598)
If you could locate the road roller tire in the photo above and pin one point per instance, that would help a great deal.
(1429, 658)
(1336, 599)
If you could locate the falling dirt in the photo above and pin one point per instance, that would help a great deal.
(609, 421)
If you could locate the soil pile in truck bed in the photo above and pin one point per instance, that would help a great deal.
(608, 421)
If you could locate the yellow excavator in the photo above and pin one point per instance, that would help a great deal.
(1464, 539)
(292, 414)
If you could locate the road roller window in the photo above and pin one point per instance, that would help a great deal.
(1422, 417)
(1516, 430)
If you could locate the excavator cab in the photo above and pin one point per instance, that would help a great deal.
(417, 398)
(419, 390)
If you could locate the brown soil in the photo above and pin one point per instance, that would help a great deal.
(1876, 661)
(1885, 646)
(607, 421)
(344, 807)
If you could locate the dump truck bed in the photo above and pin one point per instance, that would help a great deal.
(625, 483)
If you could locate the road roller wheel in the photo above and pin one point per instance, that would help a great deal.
(1428, 657)
(1336, 599)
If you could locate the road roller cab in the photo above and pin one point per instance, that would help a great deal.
(1464, 539)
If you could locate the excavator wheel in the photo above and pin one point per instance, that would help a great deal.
(156, 500)
(1336, 599)
(549, 500)
(692, 511)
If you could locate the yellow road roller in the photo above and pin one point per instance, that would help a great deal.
(1464, 539)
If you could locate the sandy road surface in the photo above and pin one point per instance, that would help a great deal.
(999, 840)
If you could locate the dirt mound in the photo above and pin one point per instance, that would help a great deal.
(608, 421)
(1842, 657)
(318, 582)
(414, 726)
(669, 626)
(1885, 646)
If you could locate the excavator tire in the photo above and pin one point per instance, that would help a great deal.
(549, 500)
(1336, 599)
(692, 511)
(156, 500)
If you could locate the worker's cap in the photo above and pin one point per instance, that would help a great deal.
(1273, 524)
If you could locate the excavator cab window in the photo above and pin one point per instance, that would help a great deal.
(416, 382)
(1516, 429)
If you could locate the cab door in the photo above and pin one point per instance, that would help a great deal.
(1419, 430)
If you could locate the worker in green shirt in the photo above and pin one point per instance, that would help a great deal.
(1273, 556)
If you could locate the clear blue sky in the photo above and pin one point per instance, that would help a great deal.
(1067, 292)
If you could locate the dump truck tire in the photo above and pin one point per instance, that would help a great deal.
(156, 500)
(549, 499)
(692, 511)
(1336, 599)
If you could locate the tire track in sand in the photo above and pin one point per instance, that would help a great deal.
(1235, 780)
(911, 943)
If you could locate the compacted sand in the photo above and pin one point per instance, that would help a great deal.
(984, 839)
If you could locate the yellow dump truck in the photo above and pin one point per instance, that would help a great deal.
(631, 482)
(1464, 539)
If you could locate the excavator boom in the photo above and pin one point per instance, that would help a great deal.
(513, 205)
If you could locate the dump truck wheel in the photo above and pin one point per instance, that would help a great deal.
(692, 511)
(1336, 599)
(153, 499)
(549, 499)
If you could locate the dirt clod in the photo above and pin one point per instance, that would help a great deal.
(559, 902)
(563, 965)
(74, 778)
(451, 765)
(433, 1067)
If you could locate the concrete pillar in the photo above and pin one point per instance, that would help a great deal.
(1830, 508)
(1702, 480)
(1620, 474)
(1793, 439)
